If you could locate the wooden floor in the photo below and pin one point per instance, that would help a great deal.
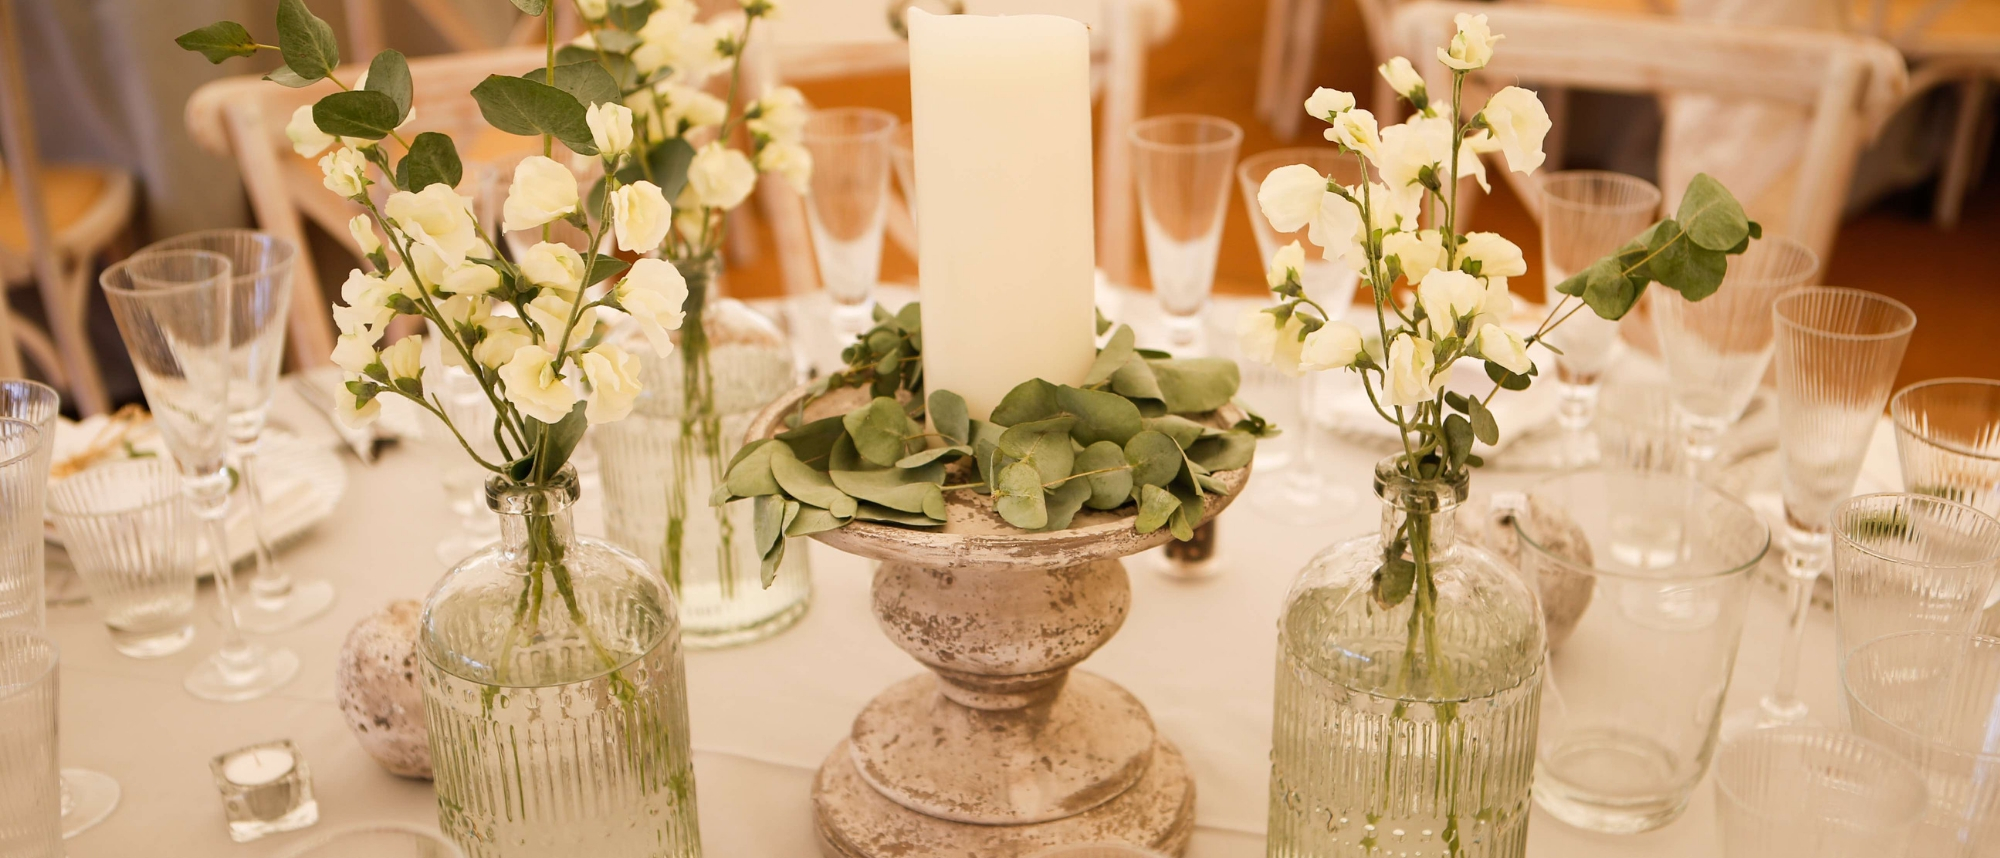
(1951, 279)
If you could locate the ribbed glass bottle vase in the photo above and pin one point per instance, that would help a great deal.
(661, 464)
(1406, 729)
(555, 694)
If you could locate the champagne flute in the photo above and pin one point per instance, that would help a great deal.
(173, 310)
(847, 206)
(1182, 168)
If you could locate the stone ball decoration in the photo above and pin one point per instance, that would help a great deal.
(379, 686)
(1565, 593)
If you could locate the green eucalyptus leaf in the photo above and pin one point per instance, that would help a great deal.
(1101, 416)
(1458, 438)
(588, 81)
(531, 7)
(1154, 457)
(843, 456)
(1506, 379)
(1103, 324)
(1711, 215)
(1700, 273)
(603, 268)
(219, 41)
(1209, 483)
(306, 42)
(1187, 516)
(1225, 452)
(356, 113)
(877, 512)
(1156, 506)
(432, 160)
(896, 489)
(389, 74)
(1044, 444)
(555, 442)
(1184, 431)
(1029, 401)
(750, 475)
(666, 165)
(813, 442)
(1063, 501)
(934, 454)
(807, 485)
(1136, 380)
(813, 520)
(1116, 353)
(520, 106)
(767, 516)
(1193, 385)
(1393, 581)
(720, 495)
(949, 415)
(984, 452)
(284, 76)
(880, 431)
(1484, 427)
(1113, 486)
(1019, 498)
(1605, 287)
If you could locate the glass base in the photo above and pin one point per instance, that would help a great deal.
(154, 644)
(307, 600)
(89, 798)
(266, 671)
(769, 627)
(1619, 812)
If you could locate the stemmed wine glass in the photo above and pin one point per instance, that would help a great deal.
(173, 310)
(1586, 214)
(847, 206)
(1837, 355)
(1304, 495)
(260, 299)
(1181, 164)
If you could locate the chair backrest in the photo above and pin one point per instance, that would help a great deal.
(244, 117)
(1846, 83)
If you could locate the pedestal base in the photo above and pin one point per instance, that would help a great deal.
(855, 821)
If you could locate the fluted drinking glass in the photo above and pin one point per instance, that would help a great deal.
(847, 206)
(24, 477)
(1948, 441)
(1302, 494)
(1181, 165)
(130, 533)
(1586, 214)
(39, 404)
(173, 309)
(1810, 792)
(1837, 355)
(1717, 349)
(1905, 563)
(260, 300)
(30, 791)
(1934, 697)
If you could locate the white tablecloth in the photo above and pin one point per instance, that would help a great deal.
(1199, 654)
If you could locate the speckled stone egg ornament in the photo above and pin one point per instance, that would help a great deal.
(379, 687)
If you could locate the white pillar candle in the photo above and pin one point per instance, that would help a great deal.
(1001, 120)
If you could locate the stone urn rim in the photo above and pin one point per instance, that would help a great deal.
(1095, 535)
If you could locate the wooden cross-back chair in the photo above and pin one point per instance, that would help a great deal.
(1949, 43)
(1847, 83)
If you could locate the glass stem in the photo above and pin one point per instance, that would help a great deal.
(1303, 480)
(235, 652)
(1803, 564)
(271, 583)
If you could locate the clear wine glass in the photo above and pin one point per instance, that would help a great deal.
(1181, 166)
(173, 309)
(1302, 494)
(1586, 214)
(847, 206)
(1837, 355)
(260, 300)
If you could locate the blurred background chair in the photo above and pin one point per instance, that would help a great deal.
(1949, 44)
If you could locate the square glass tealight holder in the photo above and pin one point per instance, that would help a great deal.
(266, 789)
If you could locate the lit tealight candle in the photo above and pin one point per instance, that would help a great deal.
(265, 789)
(258, 766)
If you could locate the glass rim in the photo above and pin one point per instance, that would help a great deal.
(1562, 176)
(34, 437)
(288, 252)
(1753, 282)
(1908, 324)
(1899, 413)
(170, 478)
(54, 652)
(1905, 770)
(111, 286)
(1232, 136)
(1292, 155)
(1902, 731)
(874, 113)
(328, 837)
(32, 385)
(1594, 571)
(1840, 535)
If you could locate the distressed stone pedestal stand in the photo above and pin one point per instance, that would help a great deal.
(1001, 750)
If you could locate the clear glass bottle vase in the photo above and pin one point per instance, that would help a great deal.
(660, 465)
(1406, 711)
(555, 694)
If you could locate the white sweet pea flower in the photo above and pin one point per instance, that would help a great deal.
(438, 218)
(307, 139)
(1472, 47)
(1334, 346)
(1424, 141)
(351, 415)
(653, 293)
(550, 310)
(345, 172)
(404, 358)
(1503, 347)
(1390, 210)
(1411, 376)
(355, 352)
(1336, 229)
(1419, 253)
(1287, 353)
(688, 108)
(610, 383)
(1520, 123)
(463, 312)
(1356, 130)
(543, 191)
(780, 114)
(640, 216)
(363, 232)
(1287, 264)
(610, 127)
(790, 160)
(1449, 296)
(1403, 78)
(554, 265)
(665, 37)
(1496, 307)
(533, 386)
(471, 278)
(1497, 257)
(505, 335)
(721, 177)
(1257, 334)
(1290, 196)
(592, 10)
(1325, 104)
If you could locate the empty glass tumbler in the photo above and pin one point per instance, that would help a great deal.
(1904, 563)
(1181, 165)
(1635, 693)
(1810, 792)
(130, 534)
(30, 791)
(1934, 697)
(378, 840)
(38, 404)
(24, 478)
